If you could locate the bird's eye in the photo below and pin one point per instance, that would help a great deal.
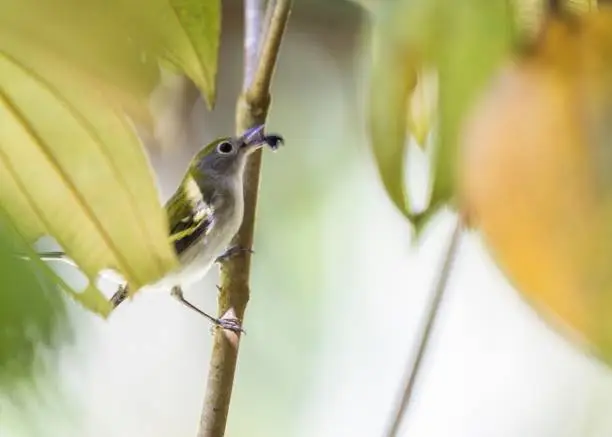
(225, 148)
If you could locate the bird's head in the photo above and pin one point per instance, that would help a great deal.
(225, 157)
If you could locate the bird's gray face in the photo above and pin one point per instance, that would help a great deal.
(226, 157)
(223, 157)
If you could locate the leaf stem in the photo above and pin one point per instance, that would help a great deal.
(431, 316)
(251, 110)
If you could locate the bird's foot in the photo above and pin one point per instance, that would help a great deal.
(230, 324)
(120, 295)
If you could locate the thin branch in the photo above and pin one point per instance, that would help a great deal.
(251, 110)
(253, 27)
(258, 95)
(432, 313)
(268, 19)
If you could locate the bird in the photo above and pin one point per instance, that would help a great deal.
(204, 213)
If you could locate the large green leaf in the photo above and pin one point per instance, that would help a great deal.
(463, 42)
(71, 167)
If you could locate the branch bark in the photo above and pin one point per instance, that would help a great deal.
(430, 320)
(251, 110)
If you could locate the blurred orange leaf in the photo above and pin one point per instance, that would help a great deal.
(535, 176)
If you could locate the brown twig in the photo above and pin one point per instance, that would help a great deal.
(431, 317)
(251, 110)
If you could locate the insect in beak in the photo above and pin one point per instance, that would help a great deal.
(255, 138)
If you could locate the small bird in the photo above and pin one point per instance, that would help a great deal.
(204, 214)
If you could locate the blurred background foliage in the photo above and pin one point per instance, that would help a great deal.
(32, 310)
(337, 289)
(33, 325)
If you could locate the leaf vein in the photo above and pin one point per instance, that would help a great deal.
(89, 128)
(12, 107)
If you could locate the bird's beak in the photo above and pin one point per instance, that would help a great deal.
(255, 138)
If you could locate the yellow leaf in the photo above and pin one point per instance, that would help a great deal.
(71, 167)
(120, 43)
(93, 37)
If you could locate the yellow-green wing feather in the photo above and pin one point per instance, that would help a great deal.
(190, 217)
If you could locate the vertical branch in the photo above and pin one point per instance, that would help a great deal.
(253, 27)
(431, 317)
(252, 109)
(268, 18)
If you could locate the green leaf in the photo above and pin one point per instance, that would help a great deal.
(464, 42)
(191, 32)
(71, 167)
(477, 38)
(388, 120)
(183, 33)
(32, 312)
(400, 44)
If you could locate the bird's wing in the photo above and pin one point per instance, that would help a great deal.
(190, 217)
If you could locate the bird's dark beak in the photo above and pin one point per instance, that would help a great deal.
(255, 138)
